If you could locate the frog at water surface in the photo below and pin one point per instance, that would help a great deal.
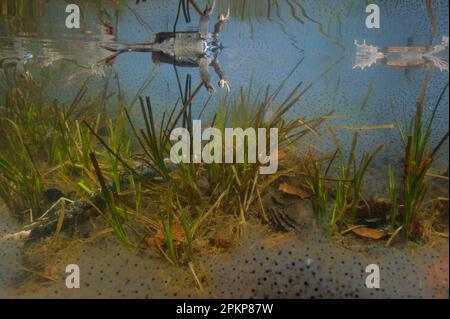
(366, 55)
(186, 49)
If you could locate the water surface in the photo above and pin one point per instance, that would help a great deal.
(265, 41)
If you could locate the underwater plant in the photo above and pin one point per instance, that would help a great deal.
(42, 140)
(392, 189)
(186, 194)
(116, 215)
(419, 157)
(316, 181)
(20, 180)
(337, 200)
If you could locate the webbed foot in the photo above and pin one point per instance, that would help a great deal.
(210, 88)
(223, 17)
(225, 83)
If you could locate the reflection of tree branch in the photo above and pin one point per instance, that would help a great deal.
(186, 13)
(144, 23)
(182, 5)
(294, 12)
(269, 10)
(278, 12)
(196, 7)
(429, 4)
(321, 29)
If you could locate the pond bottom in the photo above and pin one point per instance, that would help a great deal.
(264, 264)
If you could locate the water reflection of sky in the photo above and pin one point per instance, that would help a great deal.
(262, 52)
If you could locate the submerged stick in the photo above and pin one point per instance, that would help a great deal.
(397, 231)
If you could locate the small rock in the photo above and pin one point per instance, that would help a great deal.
(53, 194)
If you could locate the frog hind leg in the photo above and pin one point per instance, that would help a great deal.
(223, 18)
(205, 17)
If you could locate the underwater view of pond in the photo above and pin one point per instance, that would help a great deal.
(224, 149)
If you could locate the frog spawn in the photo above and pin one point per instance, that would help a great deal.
(264, 264)
(10, 252)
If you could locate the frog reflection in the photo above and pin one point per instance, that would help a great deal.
(366, 55)
(185, 49)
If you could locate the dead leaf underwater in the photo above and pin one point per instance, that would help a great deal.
(370, 233)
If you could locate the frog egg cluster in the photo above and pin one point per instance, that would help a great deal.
(10, 252)
(321, 268)
(263, 265)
